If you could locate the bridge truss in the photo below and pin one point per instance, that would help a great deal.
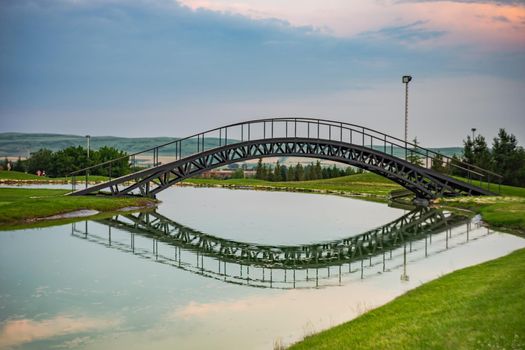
(295, 137)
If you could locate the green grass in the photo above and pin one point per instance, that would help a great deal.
(504, 213)
(505, 189)
(510, 191)
(22, 206)
(19, 176)
(359, 184)
(16, 175)
(480, 307)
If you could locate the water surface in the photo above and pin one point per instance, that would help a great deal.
(93, 285)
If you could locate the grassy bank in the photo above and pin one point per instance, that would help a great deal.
(367, 184)
(20, 206)
(503, 213)
(480, 307)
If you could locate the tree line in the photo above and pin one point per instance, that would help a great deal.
(299, 172)
(505, 157)
(67, 160)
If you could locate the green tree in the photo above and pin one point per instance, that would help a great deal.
(437, 163)
(413, 156)
(509, 158)
(116, 168)
(259, 170)
(299, 172)
(40, 160)
(349, 171)
(238, 174)
(481, 153)
(277, 172)
(19, 165)
(318, 171)
(291, 173)
(453, 167)
(68, 160)
(284, 173)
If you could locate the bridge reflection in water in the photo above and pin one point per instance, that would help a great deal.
(418, 234)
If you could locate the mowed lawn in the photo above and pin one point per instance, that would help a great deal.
(18, 205)
(20, 176)
(358, 184)
(480, 307)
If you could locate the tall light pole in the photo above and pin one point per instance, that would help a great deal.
(406, 80)
(87, 140)
(473, 133)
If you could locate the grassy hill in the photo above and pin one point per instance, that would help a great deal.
(21, 144)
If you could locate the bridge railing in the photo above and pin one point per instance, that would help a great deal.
(293, 128)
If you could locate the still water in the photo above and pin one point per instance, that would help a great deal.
(223, 269)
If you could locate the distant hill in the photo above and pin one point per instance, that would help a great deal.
(22, 144)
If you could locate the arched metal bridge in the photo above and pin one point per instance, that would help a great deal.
(293, 137)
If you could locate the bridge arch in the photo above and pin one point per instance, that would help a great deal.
(337, 143)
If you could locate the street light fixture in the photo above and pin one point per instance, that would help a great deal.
(473, 133)
(406, 80)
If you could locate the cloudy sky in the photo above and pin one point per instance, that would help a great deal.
(174, 68)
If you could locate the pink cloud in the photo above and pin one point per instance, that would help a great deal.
(22, 331)
(467, 23)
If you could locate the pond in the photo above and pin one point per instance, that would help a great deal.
(223, 269)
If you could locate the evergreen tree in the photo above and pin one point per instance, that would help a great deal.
(335, 171)
(299, 172)
(277, 172)
(308, 172)
(414, 157)
(269, 173)
(349, 171)
(468, 153)
(19, 165)
(325, 172)
(238, 173)
(437, 163)
(509, 158)
(284, 173)
(452, 167)
(318, 171)
(259, 170)
(481, 153)
(291, 174)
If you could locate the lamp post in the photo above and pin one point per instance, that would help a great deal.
(87, 140)
(406, 80)
(473, 133)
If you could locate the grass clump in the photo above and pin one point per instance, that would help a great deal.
(480, 307)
